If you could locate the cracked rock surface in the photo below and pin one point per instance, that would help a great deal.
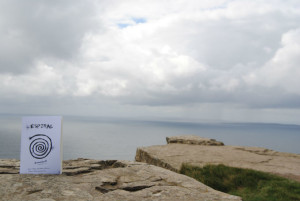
(85, 179)
(172, 156)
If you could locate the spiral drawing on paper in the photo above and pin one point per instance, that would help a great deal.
(40, 146)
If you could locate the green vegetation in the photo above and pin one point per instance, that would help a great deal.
(249, 184)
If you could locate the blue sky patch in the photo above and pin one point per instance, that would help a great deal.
(134, 21)
(139, 20)
(123, 25)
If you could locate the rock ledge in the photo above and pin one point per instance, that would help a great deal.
(85, 179)
(172, 156)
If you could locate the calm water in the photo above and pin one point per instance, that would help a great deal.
(108, 138)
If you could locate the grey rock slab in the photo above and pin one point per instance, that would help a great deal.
(172, 156)
(85, 179)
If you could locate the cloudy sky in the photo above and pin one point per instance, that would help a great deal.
(208, 60)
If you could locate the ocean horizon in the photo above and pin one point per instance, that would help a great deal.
(106, 138)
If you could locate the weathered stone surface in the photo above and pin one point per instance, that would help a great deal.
(85, 179)
(11, 166)
(172, 156)
(193, 139)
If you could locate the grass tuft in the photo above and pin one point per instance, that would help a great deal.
(249, 184)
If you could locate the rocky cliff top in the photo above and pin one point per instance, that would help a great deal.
(189, 150)
(85, 179)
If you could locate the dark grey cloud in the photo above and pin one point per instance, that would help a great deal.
(30, 30)
(256, 98)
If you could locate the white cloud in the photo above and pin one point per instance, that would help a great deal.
(158, 52)
(282, 71)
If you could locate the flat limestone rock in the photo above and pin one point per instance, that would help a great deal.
(85, 179)
(172, 156)
(193, 139)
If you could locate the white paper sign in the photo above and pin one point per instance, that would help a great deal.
(41, 145)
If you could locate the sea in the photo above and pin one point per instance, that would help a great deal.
(111, 138)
